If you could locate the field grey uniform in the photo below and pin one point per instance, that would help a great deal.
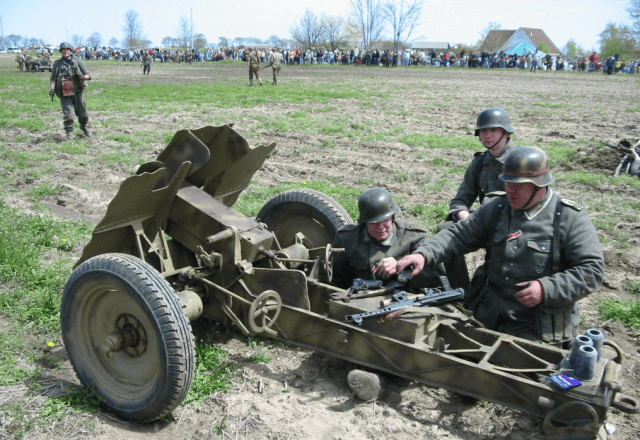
(363, 252)
(480, 179)
(70, 70)
(520, 248)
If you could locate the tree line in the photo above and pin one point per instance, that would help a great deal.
(382, 24)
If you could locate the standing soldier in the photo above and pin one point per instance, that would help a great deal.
(275, 59)
(146, 62)
(69, 78)
(20, 60)
(254, 65)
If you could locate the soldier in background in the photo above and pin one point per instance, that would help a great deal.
(253, 61)
(20, 60)
(69, 78)
(28, 61)
(275, 59)
(146, 62)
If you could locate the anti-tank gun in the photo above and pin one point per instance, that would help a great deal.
(171, 249)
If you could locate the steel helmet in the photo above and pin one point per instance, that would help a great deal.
(493, 118)
(376, 205)
(65, 45)
(527, 164)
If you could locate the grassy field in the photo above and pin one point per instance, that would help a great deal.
(338, 129)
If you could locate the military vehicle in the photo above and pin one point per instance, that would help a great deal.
(171, 249)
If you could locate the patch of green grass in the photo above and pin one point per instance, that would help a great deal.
(213, 371)
(33, 298)
(84, 400)
(586, 178)
(11, 346)
(432, 141)
(428, 215)
(626, 311)
(45, 189)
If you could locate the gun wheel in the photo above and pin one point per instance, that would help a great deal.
(313, 213)
(127, 336)
(264, 311)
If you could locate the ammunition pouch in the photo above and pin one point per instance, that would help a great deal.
(79, 81)
(556, 325)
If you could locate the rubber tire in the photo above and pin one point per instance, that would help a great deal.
(311, 212)
(141, 388)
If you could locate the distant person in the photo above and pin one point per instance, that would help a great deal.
(253, 61)
(69, 78)
(275, 60)
(146, 62)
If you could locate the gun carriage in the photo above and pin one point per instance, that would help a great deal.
(171, 249)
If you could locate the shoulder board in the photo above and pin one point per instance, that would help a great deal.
(571, 204)
(347, 228)
(496, 194)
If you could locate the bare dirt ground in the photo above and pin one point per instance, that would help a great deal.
(302, 395)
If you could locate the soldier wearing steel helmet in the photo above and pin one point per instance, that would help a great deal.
(373, 246)
(543, 253)
(493, 128)
(68, 81)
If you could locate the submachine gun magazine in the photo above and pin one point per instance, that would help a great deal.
(400, 300)
(361, 288)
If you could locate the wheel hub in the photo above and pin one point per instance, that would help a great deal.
(129, 336)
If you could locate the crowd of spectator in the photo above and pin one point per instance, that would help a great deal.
(387, 58)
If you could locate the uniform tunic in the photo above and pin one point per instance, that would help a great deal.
(363, 252)
(520, 245)
(480, 179)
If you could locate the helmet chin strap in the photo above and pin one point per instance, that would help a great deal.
(496, 142)
(533, 195)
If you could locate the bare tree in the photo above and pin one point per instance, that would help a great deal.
(490, 27)
(308, 32)
(335, 31)
(77, 40)
(634, 12)
(95, 39)
(169, 42)
(199, 41)
(132, 29)
(368, 18)
(239, 41)
(223, 42)
(183, 32)
(404, 18)
(113, 42)
(13, 39)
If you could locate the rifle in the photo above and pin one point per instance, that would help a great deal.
(624, 149)
(434, 297)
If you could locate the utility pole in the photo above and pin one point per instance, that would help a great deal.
(191, 32)
(2, 31)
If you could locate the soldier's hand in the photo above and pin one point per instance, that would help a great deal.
(531, 295)
(417, 260)
(52, 92)
(462, 214)
(385, 268)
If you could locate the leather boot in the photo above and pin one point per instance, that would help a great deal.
(250, 82)
(69, 135)
(86, 131)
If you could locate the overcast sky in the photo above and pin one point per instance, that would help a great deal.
(452, 21)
